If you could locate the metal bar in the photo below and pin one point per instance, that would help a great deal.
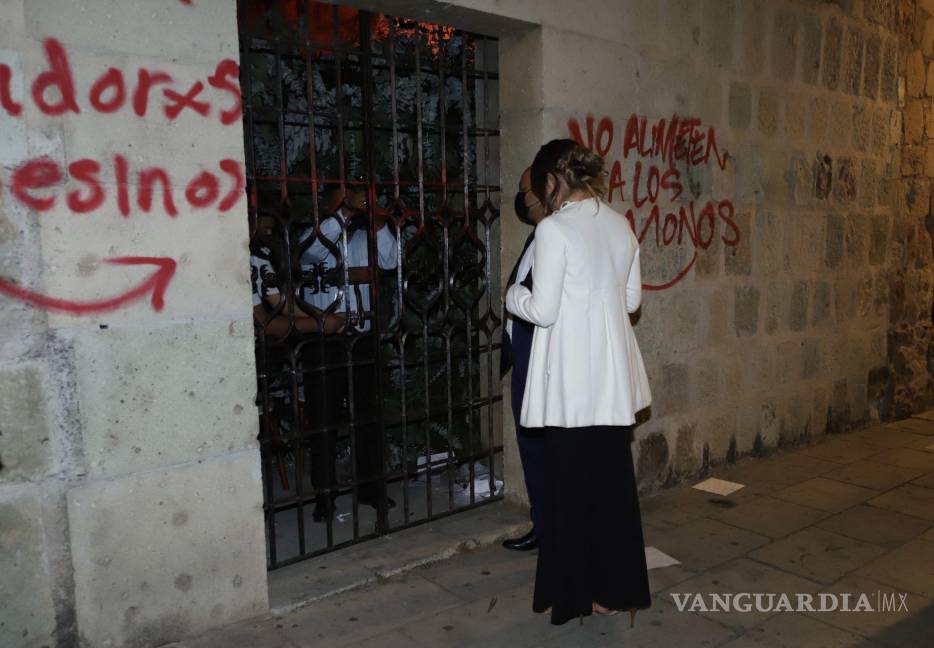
(465, 144)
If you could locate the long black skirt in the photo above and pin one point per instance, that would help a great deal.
(591, 547)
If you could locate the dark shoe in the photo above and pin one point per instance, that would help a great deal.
(390, 502)
(524, 543)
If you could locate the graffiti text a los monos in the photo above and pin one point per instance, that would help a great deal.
(660, 152)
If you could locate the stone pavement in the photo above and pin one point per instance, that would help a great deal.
(853, 513)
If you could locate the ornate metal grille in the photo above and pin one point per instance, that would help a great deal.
(372, 150)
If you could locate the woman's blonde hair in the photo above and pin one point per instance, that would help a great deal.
(580, 167)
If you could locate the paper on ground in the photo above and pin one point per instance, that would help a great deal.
(656, 559)
(718, 486)
(930, 448)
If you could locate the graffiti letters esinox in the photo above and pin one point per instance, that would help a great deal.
(664, 154)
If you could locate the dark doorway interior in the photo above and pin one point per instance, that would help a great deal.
(372, 150)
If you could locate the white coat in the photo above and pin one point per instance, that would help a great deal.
(585, 368)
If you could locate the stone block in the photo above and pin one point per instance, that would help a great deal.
(676, 386)
(767, 244)
(880, 126)
(927, 37)
(820, 303)
(795, 122)
(768, 114)
(737, 259)
(840, 124)
(913, 158)
(818, 120)
(929, 161)
(27, 609)
(845, 180)
(785, 45)
(917, 198)
(857, 240)
(852, 64)
(152, 398)
(752, 37)
(878, 239)
(915, 74)
(164, 554)
(798, 312)
(867, 185)
(833, 54)
(25, 446)
(862, 127)
(836, 227)
(718, 327)
(746, 310)
(776, 300)
(719, 17)
(200, 32)
(871, 66)
(810, 48)
(823, 176)
(813, 553)
(739, 105)
(888, 83)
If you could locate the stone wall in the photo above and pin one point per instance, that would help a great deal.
(130, 495)
(799, 302)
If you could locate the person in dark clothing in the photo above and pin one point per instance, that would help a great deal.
(514, 354)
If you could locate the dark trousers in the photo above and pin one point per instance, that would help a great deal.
(531, 440)
(328, 411)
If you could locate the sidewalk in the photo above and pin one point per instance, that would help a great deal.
(854, 513)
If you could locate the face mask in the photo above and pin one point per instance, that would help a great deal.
(522, 210)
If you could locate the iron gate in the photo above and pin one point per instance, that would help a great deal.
(372, 150)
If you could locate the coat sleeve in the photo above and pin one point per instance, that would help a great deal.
(540, 305)
(634, 284)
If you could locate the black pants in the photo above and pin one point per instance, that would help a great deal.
(591, 547)
(329, 413)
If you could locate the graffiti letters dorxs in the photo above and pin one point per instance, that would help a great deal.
(38, 183)
(661, 187)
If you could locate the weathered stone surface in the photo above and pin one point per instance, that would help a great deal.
(795, 121)
(852, 61)
(916, 74)
(27, 611)
(737, 259)
(768, 115)
(746, 310)
(167, 396)
(810, 48)
(872, 65)
(845, 184)
(888, 84)
(817, 554)
(752, 37)
(862, 127)
(817, 127)
(164, 554)
(798, 314)
(835, 239)
(719, 18)
(833, 54)
(739, 105)
(785, 45)
(26, 450)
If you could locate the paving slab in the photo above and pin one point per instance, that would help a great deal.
(909, 567)
(660, 626)
(905, 457)
(793, 630)
(705, 543)
(914, 425)
(826, 494)
(843, 450)
(874, 475)
(881, 628)
(908, 499)
(775, 473)
(883, 436)
(818, 555)
(255, 633)
(927, 416)
(482, 575)
(771, 516)
(367, 612)
(879, 526)
(927, 481)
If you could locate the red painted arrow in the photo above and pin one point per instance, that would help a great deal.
(156, 283)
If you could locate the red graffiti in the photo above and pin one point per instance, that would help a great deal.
(54, 92)
(156, 284)
(661, 152)
(33, 183)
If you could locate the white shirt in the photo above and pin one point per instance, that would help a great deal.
(525, 265)
(355, 254)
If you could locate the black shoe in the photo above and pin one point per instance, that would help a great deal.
(524, 543)
(390, 502)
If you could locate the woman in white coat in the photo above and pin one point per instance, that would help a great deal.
(586, 382)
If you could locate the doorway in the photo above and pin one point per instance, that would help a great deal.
(372, 149)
